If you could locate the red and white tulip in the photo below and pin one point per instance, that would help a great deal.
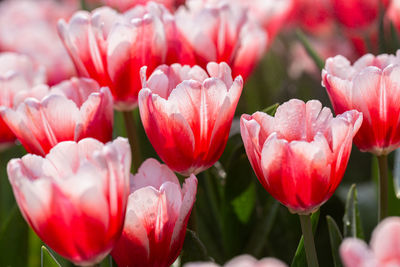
(187, 113)
(156, 217)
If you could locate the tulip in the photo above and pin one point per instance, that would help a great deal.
(187, 113)
(242, 261)
(18, 74)
(124, 5)
(316, 17)
(111, 48)
(222, 33)
(29, 27)
(355, 14)
(300, 155)
(70, 111)
(75, 198)
(369, 86)
(384, 247)
(156, 217)
(270, 14)
(359, 19)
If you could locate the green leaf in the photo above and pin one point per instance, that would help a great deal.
(271, 109)
(193, 249)
(351, 220)
(47, 258)
(299, 259)
(244, 204)
(13, 245)
(263, 227)
(310, 50)
(335, 238)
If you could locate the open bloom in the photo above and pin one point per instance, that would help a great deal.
(18, 74)
(111, 48)
(222, 33)
(71, 110)
(156, 217)
(370, 86)
(300, 155)
(187, 113)
(75, 198)
(384, 248)
(242, 261)
(30, 27)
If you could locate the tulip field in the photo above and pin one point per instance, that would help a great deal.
(200, 133)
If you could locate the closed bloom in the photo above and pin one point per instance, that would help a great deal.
(70, 111)
(242, 261)
(384, 250)
(370, 86)
(222, 33)
(156, 217)
(75, 198)
(111, 47)
(300, 155)
(18, 74)
(187, 113)
(30, 28)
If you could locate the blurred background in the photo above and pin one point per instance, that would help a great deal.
(233, 213)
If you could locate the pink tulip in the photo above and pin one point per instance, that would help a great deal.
(300, 155)
(384, 248)
(156, 217)
(75, 197)
(271, 14)
(111, 47)
(71, 110)
(29, 27)
(124, 5)
(18, 74)
(222, 33)
(187, 113)
(370, 86)
(242, 261)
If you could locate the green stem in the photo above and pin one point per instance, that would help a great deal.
(133, 138)
(310, 50)
(306, 228)
(383, 187)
